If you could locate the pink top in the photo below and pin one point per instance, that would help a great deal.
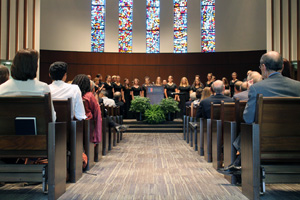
(92, 111)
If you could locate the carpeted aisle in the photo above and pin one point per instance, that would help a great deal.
(152, 166)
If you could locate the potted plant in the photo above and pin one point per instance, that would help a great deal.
(139, 105)
(169, 106)
(154, 115)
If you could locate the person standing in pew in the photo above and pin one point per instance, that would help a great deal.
(218, 89)
(92, 108)
(61, 90)
(4, 74)
(24, 82)
(273, 85)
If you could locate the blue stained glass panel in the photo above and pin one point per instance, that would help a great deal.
(180, 3)
(180, 41)
(125, 41)
(152, 38)
(208, 2)
(152, 20)
(153, 3)
(126, 3)
(97, 42)
(98, 2)
(125, 18)
(208, 40)
(208, 17)
(180, 18)
(98, 17)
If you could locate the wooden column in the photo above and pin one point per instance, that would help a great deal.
(8, 29)
(25, 25)
(272, 24)
(33, 26)
(17, 25)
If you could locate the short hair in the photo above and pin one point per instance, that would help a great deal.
(83, 83)
(57, 70)
(98, 75)
(199, 93)
(25, 65)
(227, 93)
(92, 85)
(238, 85)
(272, 60)
(218, 86)
(104, 93)
(117, 95)
(255, 76)
(193, 96)
(4, 74)
(244, 86)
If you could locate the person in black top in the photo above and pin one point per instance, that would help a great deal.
(136, 90)
(158, 81)
(184, 88)
(127, 99)
(108, 87)
(170, 88)
(232, 82)
(196, 85)
(225, 82)
(117, 85)
(145, 85)
(209, 80)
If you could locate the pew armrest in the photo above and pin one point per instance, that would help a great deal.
(193, 125)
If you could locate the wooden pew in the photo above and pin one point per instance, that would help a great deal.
(50, 143)
(271, 143)
(188, 113)
(193, 129)
(226, 113)
(98, 147)
(230, 132)
(200, 137)
(105, 142)
(74, 137)
(207, 128)
(116, 119)
(111, 132)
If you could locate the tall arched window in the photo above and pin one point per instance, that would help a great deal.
(152, 26)
(125, 26)
(97, 25)
(180, 26)
(208, 32)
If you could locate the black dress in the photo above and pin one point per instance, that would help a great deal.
(231, 84)
(208, 84)
(194, 89)
(128, 98)
(227, 87)
(183, 98)
(117, 88)
(144, 88)
(170, 89)
(108, 89)
(136, 91)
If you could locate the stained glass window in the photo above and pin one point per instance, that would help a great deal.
(180, 26)
(97, 25)
(152, 26)
(208, 34)
(125, 26)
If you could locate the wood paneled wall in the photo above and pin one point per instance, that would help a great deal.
(138, 65)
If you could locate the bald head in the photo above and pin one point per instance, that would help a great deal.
(254, 76)
(218, 86)
(244, 86)
(272, 60)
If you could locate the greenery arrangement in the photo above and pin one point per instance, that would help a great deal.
(140, 104)
(155, 115)
(169, 105)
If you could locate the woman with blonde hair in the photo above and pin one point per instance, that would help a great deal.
(184, 88)
(170, 88)
(136, 90)
(209, 80)
(206, 93)
(158, 81)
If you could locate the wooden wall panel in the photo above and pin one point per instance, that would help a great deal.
(139, 65)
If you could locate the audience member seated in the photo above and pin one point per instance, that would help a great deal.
(237, 87)
(273, 85)
(4, 74)
(198, 97)
(92, 108)
(218, 90)
(227, 93)
(24, 82)
(61, 90)
(252, 78)
(106, 100)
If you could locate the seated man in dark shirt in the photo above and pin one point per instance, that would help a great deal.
(218, 90)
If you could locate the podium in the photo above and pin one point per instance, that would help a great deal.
(155, 94)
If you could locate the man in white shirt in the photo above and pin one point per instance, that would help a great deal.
(106, 100)
(61, 90)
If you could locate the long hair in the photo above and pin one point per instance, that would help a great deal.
(83, 83)
(225, 81)
(206, 93)
(127, 86)
(186, 82)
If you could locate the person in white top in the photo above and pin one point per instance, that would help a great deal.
(23, 82)
(106, 100)
(61, 90)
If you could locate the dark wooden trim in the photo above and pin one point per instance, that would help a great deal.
(25, 25)
(17, 25)
(0, 26)
(290, 28)
(272, 24)
(33, 26)
(8, 29)
(281, 29)
(298, 42)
